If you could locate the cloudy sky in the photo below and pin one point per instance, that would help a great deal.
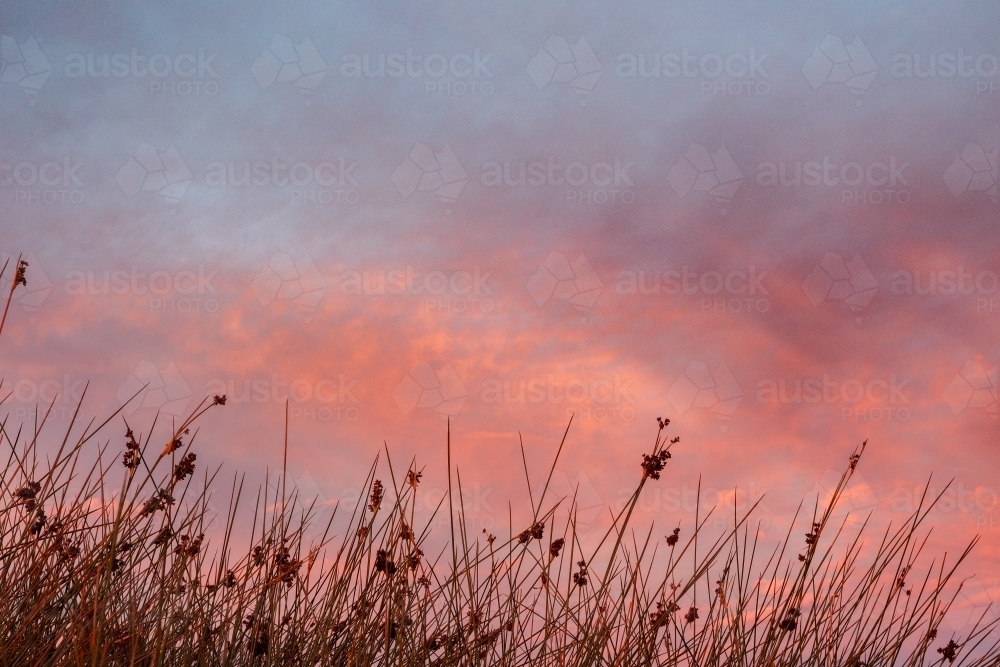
(773, 223)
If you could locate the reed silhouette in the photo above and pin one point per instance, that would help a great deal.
(104, 560)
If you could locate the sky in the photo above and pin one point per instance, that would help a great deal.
(773, 223)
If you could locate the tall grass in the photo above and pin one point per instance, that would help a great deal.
(104, 561)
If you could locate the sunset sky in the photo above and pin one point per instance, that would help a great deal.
(774, 223)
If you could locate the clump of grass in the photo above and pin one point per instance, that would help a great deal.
(107, 563)
(121, 574)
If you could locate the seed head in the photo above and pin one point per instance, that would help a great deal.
(580, 577)
(555, 548)
(163, 536)
(185, 467)
(383, 564)
(160, 500)
(174, 444)
(661, 616)
(790, 622)
(378, 491)
(27, 493)
(19, 276)
(653, 465)
(813, 536)
(188, 547)
(39, 523)
(535, 532)
(262, 643)
(949, 652)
